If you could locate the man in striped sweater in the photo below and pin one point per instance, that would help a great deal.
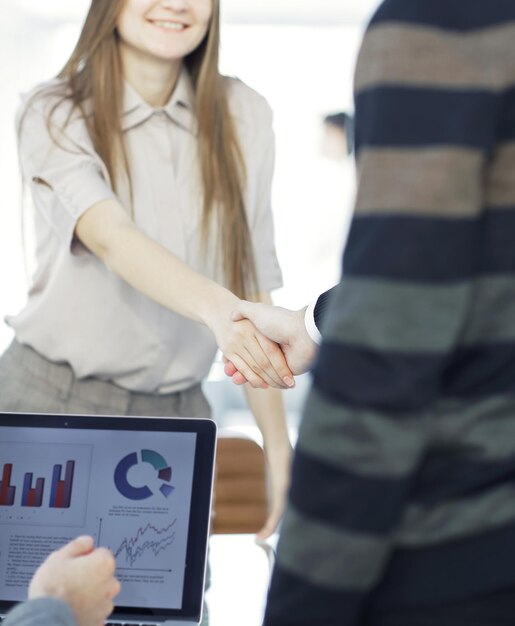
(402, 504)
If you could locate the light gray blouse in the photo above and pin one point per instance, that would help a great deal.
(81, 313)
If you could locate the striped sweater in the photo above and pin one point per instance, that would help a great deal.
(403, 486)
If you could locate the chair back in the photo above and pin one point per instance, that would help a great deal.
(240, 492)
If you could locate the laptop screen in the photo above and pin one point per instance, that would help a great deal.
(140, 486)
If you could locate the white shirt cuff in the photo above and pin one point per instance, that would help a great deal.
(309, 321)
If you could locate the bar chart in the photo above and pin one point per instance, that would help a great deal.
(32, 492)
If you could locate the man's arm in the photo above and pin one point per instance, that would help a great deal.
(75, 586)
(395, 317)
(41, 612)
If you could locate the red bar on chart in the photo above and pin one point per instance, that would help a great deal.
(7, 491)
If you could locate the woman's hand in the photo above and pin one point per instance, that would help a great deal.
(259, 359)
(279, 460)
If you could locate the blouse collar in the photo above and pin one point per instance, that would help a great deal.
(180, 108)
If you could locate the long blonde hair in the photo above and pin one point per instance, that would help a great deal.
(94, 73)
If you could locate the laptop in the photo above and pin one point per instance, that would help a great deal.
(139, 485)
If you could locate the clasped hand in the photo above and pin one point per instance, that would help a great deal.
(281, 330)
(259, 359)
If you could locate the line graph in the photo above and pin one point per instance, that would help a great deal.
(147, 539)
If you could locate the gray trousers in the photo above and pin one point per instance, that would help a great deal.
(30, 383)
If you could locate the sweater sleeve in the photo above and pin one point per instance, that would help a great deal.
(58, 161)
(393, 320)
(41, 612)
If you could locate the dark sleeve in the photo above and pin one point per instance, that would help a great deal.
(321, 306)
(41, 612)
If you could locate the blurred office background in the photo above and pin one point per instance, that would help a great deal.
(300, 55)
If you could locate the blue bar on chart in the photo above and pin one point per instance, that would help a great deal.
(7, 491)
(32, 496)
(61, 490)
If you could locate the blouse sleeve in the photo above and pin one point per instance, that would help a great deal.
(59, 164)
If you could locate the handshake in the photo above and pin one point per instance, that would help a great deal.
(283, 347)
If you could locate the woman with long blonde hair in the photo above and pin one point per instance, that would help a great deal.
(150, 175)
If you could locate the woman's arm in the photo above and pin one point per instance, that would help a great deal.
(268, 409)
(109, 233)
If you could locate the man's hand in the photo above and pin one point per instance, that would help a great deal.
(282, 326)
(81, 576)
